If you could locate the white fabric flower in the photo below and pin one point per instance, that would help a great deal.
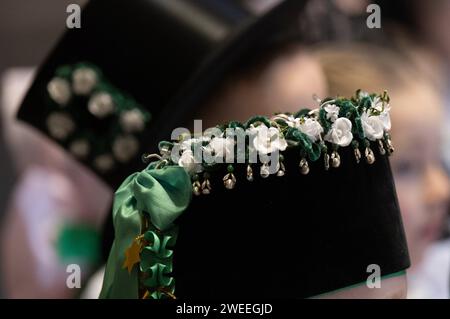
(386, 118)
(187, 144)
(363, 94)
(60, 125)
(80, 148)
(221, 147)
(125, 147)
(101, 105)
(267, 139)
(332, 112)
(340, 132)
(84, 80)
(383, 110)
(59, 90)
(189, 163)
(372, 126)
(311, 128)
(104, 162)
(293, 121)
(132, 121)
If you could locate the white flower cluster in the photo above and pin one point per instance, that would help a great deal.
(376, 120)
(266, 139)
(85, 81)
(263, 139)
(340, 132)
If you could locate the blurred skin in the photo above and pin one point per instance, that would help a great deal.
(285, 83)
(422, 184)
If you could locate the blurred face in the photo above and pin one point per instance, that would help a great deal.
(422, 185)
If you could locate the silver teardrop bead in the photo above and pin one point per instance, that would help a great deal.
(229, 181)
(335, 159)
(281, 171)
(304, 166)
(206, 187)
(326, 159)
(390, 146)
(381, 147)
(357, 155)
(264, 171)
(249, 173)
(370, 156)
(196, 188)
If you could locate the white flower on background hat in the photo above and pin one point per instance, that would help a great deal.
(59, 90)
(101, 104)
(84, 80)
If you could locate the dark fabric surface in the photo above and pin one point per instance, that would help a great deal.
(292, 236)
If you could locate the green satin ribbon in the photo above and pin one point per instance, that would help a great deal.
(163, 194)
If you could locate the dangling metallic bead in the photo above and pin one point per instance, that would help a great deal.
(304, 166)
(282, 169)
(381, 147)
(357, 155)
(196, 186)
(206, 185)
(389, 145)
(249, 173)
(356, 151)
(370, 157)
(335, 159)
(264, 171)
(326, 159)
(229, 181)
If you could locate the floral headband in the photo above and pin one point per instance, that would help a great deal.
(317, 133)
(147, 203)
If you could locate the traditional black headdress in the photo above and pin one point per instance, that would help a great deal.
(325, 214)
(135, 71)
(138, 68)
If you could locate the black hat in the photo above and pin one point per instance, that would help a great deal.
(323, 219)
(135, 69)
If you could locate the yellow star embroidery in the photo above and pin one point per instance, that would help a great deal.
(132, 255)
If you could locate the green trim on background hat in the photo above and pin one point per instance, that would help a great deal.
(78, 242)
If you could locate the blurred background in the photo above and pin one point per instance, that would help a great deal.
(49, 220)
